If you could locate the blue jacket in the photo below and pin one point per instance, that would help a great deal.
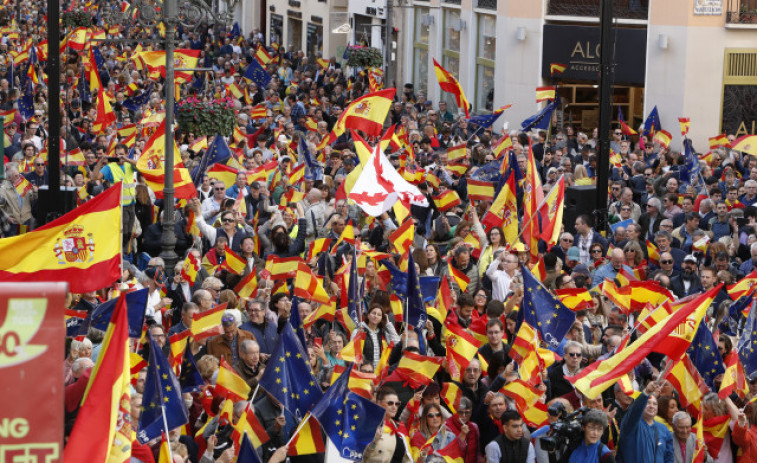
(641, 442)
(588, 453)
(265, 337)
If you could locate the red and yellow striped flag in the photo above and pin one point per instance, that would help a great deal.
(308, 286)
(248, 287)
(234, 263)
(545, 94)
(230, 385)
(480, 191)
(208, 324)
(282, 268)
(460, 277)
(455, 153)
(418, 369)
(447, 200)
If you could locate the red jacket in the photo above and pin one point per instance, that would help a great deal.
(746, 438)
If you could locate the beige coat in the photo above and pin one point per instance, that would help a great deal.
(9, 203)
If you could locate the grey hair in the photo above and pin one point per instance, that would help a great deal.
(465, 404)
(234, 313)
(594, 417)
(575, 344)
(247, 344)
(680, 415)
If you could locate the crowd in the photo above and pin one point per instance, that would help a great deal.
(686, 237)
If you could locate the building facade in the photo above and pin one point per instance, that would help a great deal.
(690, 58)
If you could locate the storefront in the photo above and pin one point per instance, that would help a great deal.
(739, 112)
(578, 49)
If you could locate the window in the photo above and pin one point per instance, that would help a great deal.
(485, 56)
(421, 31)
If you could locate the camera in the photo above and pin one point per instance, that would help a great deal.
(565, 433)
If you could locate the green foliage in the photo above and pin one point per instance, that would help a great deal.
(206, 117)
(364, 57)
(70, 20)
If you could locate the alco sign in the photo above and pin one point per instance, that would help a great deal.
(578, 48)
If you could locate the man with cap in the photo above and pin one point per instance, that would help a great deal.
(687, 282)
(227, 346)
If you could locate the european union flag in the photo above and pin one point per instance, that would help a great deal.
(689, 172)
(218, 151)
(313, 170)
(349, 420)
(542, 311)
(485, 121)
(162, 404)
(747, 345)
(190, 378)
(257, 74)
(136, 303)
(288, 377)
(354, 303)
(247, 453)
(652, 124)
(704, 354)
(429, 287)
(235, 31)
(730, 324)
(489, 172)
(102, 69)
(541, 119)
(416, 308)
(26, 102)
(399, 279)
(135, 103)
(296, 321)
(83, 87)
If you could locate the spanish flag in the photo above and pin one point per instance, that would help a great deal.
(504, 144)
(82, 248)
(551, 213)
(457, 152)
(556, 68)
(663, 138)
(653, 253)
(234, 263)
(184, 59)
(685, 123)
(688, 382)
(248, 287)
(207, 324)
(366, 113)
(224, 173)
(671, 336)
(734, 379)
(575, 298)
(460, 277)
(450, 85)
(308, 439)
(249, 423)
(418, 369)
(451, 394)
(308, 286)
(151, 165)
(325, 312)
(480, 191)
(259, 112)
(190, 268)
(743, 287)
(720, 140)
(504, 211)
(103, 430)
(282, 268)
(447, 200)
(229, 384)
(545, 94)
(461, 348)
(402, 237)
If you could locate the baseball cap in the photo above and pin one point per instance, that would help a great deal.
(573, 253)
(690, 258)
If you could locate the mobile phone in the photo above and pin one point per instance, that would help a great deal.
(112, 158)
(318, 342)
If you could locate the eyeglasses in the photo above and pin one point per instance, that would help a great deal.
(392, 403)
(618, 133)
(39, 164)
(574, 354)
(666, 261)
(219, 189)
(228, 220)
(630, 250)
(464, 412)
(434, 415)
(480, 295)
(594, 251)
(627, 209)
(567, 240)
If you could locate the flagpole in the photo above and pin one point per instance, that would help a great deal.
(254, 393)
(299, 428)
(165, 423)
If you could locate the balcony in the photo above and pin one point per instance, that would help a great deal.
(741, 12)
(622, 9)
(487, 4)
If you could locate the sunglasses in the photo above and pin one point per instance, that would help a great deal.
(666, 261)
(594, 251)
(574, 354)
(434, 415)
(219, 189)
(227, 220)
(567, 240)
(392, 403)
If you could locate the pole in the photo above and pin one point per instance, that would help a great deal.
(605, 113)
(168, 238)
(388, 44)
(58, 205)
(165, 423)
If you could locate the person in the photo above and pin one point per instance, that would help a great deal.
(378, 330)
(511, 445)
(227, 346)
(570, 366)
(249, 366)
(501, 272)
(495, 329)
(461, 421)
(641, 437)
(591, 449)
(123, 170)
(432, 427)
(586, 236)
(261, 328)
(388, 446)
(685, 441)
(16, 207)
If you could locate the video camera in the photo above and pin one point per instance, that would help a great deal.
(565, 433)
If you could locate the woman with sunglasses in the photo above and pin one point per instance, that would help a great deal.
(432, 425)
(461, 424)
(388, 446)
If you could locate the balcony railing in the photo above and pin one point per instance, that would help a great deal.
(741, 12)
(623, 9)
(487, 4)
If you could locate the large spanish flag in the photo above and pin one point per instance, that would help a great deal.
(184, 59)
(449, 84)
(671, 336)
(82, 248)
(366, 113)
(151, 165)
(102, 431)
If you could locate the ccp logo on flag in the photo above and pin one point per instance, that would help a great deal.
(22, 321)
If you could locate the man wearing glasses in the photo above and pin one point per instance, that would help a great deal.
(617, 137)
(38, 176)
(571, 366)
(611, 269)
(212, 205)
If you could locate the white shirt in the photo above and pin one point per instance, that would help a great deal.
(153, 299)
(500, 281)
